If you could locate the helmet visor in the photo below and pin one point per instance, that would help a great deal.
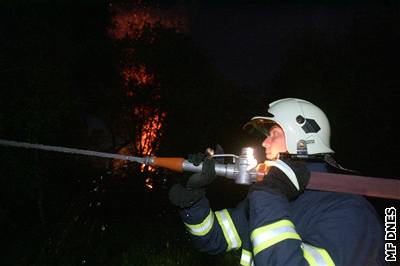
(260, 123)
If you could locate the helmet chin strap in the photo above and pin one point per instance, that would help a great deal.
(302, 153)
(332, 162)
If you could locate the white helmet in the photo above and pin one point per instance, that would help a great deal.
(306, 127)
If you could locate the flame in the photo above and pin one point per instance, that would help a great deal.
(138, 22)
(150, 133)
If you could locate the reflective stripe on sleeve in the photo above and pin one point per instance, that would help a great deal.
(268, 235)
(317, 256)
(229, 230)
(247, 258)
(202, 228)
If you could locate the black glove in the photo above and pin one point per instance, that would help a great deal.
(184, 198)
(277, 182)
(195, 186)
(205, 177)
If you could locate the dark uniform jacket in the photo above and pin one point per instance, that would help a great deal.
(318, 228)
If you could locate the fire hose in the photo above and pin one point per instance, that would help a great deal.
(244, 170)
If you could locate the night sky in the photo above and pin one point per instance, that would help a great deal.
(339, 56)
(65, 80)
(248, 42)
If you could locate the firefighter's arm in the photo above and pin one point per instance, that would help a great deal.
(273, 235)
(274, 238)
(211, 232)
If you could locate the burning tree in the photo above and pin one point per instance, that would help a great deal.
(133, 27)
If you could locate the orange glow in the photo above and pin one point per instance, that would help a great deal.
(140, 23)
(151, 125)
(262, 169)
(150, 133)
(131, 22)
(148, 168)
(137, 75)
(149, 183)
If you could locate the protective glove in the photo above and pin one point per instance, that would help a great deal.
(184, 198)
(196, 184)
(205, 177)
(277, 182)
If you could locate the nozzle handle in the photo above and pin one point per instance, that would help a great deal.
(171, 163)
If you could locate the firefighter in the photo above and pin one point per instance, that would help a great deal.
(279, 222)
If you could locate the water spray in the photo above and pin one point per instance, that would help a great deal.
(245, 170)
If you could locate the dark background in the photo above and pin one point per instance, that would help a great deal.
(60, 85)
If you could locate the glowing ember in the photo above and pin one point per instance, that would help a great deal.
(132, 23)
(150, 133)
(149, 183)
(137, 75)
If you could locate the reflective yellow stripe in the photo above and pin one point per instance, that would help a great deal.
(247, 258)
(309, 258)
(317, 256)
(202, 228)
(228, 228)
(268, 235)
